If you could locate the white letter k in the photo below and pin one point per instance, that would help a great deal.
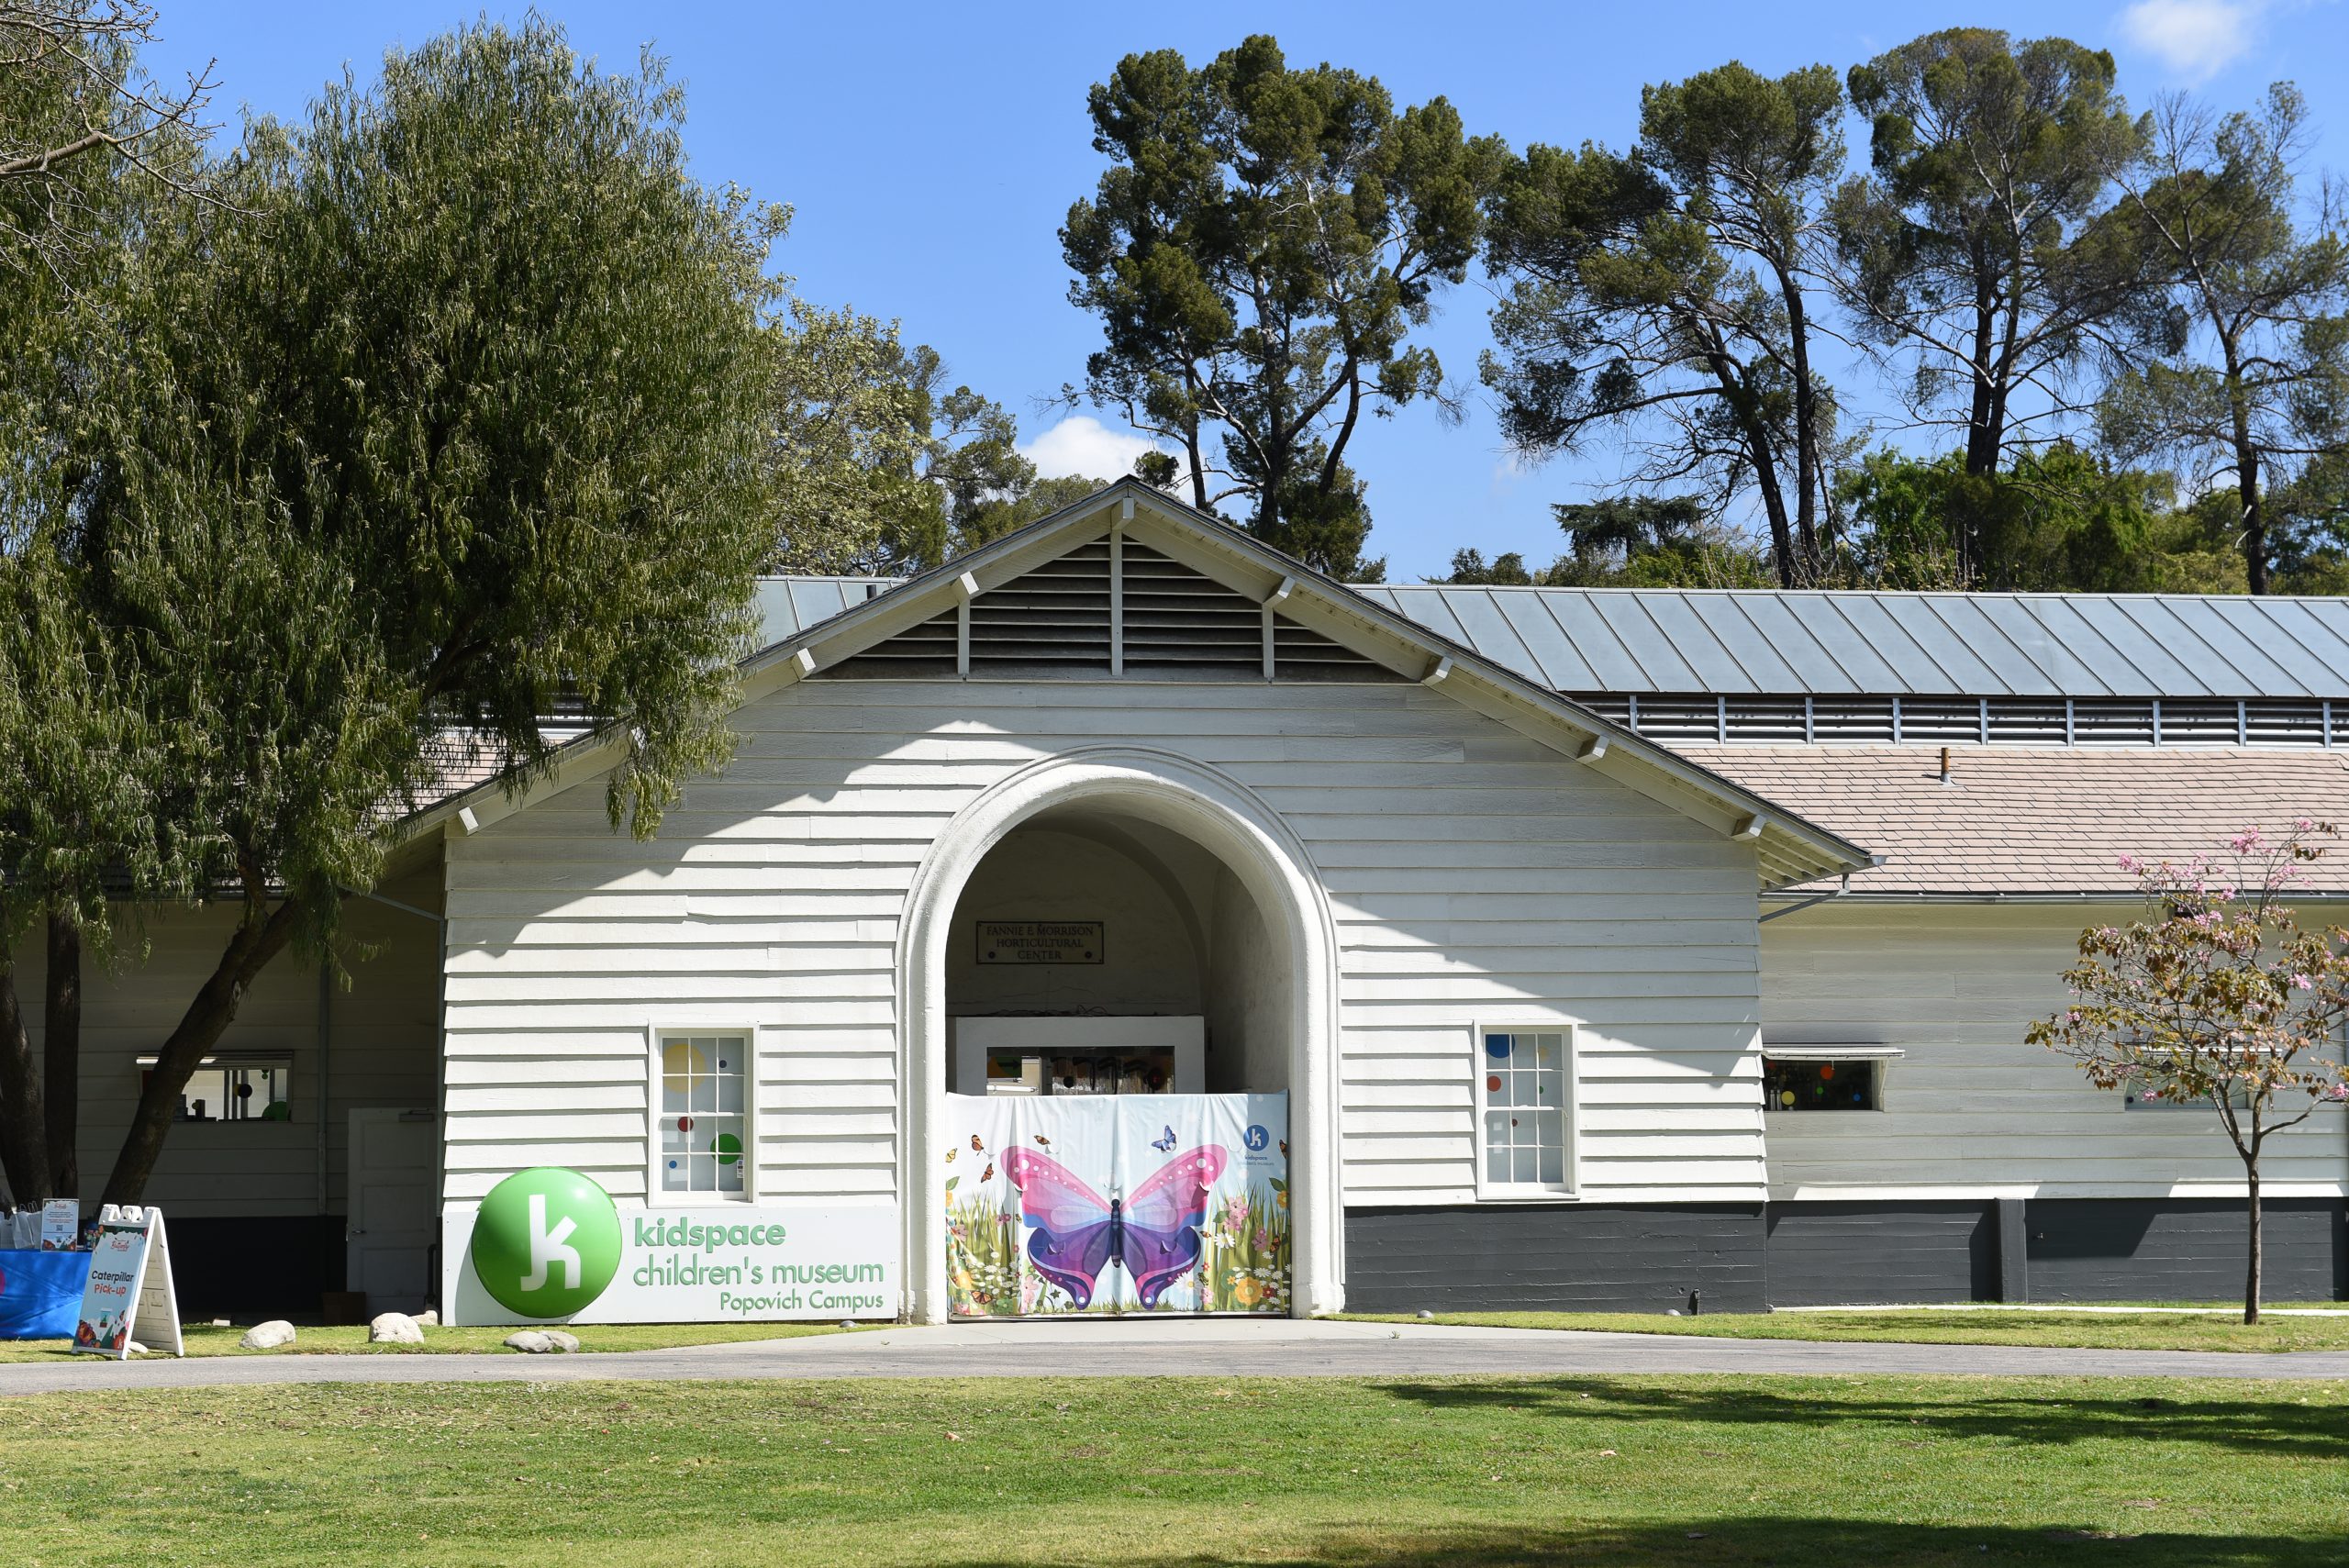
(547, 1247)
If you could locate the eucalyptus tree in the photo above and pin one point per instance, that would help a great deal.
(1972, 253)
(875, 465)
(467, 421)
(2239, 370)
(1665, 295)
(1259, 252)
(90, 152)
(79, 765)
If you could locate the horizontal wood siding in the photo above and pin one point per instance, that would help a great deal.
(1972, 1107)
(382, 1035)
(1474, 875)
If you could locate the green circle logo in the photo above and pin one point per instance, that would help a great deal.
(546, 1243)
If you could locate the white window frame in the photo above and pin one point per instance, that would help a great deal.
(1570, 1189)
(1880, 1058)
(655, 1196)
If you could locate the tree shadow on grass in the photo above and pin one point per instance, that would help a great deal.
(1742, 1543)
(2239, 1425)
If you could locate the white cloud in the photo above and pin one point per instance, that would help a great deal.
(2195, 39)
(1084, 447)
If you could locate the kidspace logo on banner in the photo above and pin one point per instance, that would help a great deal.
(550, 1243)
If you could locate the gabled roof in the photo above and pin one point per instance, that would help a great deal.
(1822, 643)
(1788, 849)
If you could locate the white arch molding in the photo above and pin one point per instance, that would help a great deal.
(1223, 817)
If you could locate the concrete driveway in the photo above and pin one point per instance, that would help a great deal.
(1178, 1347)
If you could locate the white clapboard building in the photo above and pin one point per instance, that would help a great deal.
(1773, 881)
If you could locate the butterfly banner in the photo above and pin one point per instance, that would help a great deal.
(1116, 1204)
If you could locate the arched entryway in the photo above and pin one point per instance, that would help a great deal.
(1224, 915)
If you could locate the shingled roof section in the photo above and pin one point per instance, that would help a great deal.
(2040, 822)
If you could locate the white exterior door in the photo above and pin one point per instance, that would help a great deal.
(388, 1240)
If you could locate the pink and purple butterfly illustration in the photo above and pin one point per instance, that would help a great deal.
(1152, 1235)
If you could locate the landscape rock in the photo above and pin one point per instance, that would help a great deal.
(428, 1318)
(561, 1340)
(394, 1329)
(530, 1342)
(267, 1336)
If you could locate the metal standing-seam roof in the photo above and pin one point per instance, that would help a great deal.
(1822, 643)
(789, 605)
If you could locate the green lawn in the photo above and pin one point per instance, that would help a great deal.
(203, 1339)
(1598, 1472)
(2096, 1331)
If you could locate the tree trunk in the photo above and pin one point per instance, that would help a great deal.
(1762, 454)
(2251, 1275)
(2255, 529)
(60, 1041)
(199, 1029)
(23, 1128)
(1981, 433)
(1811, 481)
(2255, 523)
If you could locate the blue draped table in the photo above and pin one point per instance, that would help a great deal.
(40, 1294)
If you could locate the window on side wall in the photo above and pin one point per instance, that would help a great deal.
(233, 1088)
(1824, 1078)
(701, 1114)
(1524, 1099)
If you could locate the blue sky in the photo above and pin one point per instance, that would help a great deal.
(932, 152)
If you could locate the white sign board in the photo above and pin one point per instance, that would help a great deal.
(61, 1224)
(714, 1264)
(130, 1296)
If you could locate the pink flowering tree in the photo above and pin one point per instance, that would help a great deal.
(2216, 996)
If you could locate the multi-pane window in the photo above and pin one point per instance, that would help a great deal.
(1522, 1078)
(704, 1131)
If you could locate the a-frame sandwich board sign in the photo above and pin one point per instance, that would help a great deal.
(130, 1296)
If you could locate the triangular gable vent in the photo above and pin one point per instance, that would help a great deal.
(1055, 620)
(1181, 622)
(1301, 653)
(1051, 621)
(925, 649)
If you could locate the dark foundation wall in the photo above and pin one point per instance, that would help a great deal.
(254, 1269)
(1529, 1257)
(2183, 1248)
(1649, 1258)
(1828, 1255)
